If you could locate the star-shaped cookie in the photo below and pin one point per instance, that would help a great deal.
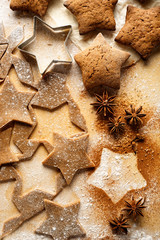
(13, 104)
(92, 14)
(141, 30)
(117, 174)
(62, 222)
(6, 155)
(52, 92)
(69, 155)
(101, 64)
(36, 6)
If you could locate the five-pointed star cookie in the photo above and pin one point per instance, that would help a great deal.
(101, 64)
(117, 174)
(6, 155)
(62, 222)
(36, 6)
(141, 30)
(13, 104)
(69, 155)
(52, 92)
(92, 14)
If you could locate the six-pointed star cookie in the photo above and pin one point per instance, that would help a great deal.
(101, 64)
(92, 14)
(6, 155)
(61, 222)
(36, 6)
(69, 155)
(117, 174)
(141, 30)
(13, 104)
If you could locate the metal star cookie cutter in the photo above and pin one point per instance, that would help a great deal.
(61, 29)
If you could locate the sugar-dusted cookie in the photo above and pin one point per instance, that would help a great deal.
(36, 6)
(53, 92)
(141, 30)
(14, 104)
(101, 64)
(69, 155)
(62, 222)
(92, 14)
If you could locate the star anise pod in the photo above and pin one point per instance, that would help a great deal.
(120, 225)
(116, 125)
(134, 116)
(104, 103)
(134, 208)
(138, 138)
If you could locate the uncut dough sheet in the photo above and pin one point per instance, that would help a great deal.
(139, 174)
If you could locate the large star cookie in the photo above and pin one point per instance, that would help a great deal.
(36, 6)
(141, 30)
(61, 222)
(69, 155)
(92, 14)
(117, 174)
(101, 64)
(13, 104)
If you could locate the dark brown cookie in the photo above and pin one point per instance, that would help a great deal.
(101, 64)
(92, 14)
(36, 6)
(141, 30)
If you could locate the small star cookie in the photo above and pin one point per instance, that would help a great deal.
(61, 222)
(141, 30)
(92, 14)
(36, 6)
(69, 155)
(101, 64)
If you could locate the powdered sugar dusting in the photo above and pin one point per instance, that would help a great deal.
(117, 174)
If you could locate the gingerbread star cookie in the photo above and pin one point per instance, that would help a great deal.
(13, 104)
(61, 222)
(36, 6)
(101, 64)
(141, 30)
(92, 14)
(69, 155)
(52, 93)
(6, 155)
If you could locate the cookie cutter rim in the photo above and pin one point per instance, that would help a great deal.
(53, 29)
